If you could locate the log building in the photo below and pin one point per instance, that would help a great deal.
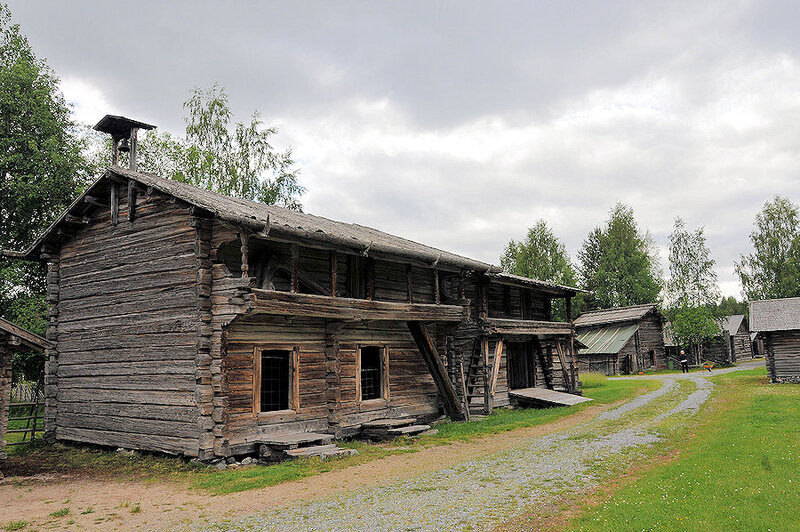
(732, 344)
(621, 340)
(189, 322)
(777, 322)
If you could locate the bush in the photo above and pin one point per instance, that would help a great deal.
(593, 380)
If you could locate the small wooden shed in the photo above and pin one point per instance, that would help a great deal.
(732, 344)
(12, 337)
(777, 322)
(621, 340)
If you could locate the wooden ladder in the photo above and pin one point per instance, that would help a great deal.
(547, 368)
(478, 381)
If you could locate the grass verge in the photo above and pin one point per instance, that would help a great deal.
(90, 462)
(735, 470)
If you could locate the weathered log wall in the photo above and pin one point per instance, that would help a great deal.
(126, 325)
(320, 371)
(783, 356)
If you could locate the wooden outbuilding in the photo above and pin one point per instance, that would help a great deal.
(732, 344)
(621, 340)
(189, 322)
(777, 322)
(12, 337)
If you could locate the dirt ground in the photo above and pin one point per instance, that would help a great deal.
(170, 506)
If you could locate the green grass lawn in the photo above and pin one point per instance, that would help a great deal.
(23, 411)
(737, 468)
(90, 461)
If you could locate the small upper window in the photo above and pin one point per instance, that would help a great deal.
(371, 373)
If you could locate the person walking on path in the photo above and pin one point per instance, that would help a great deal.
(684, 362)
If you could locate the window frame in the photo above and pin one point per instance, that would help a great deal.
(294, 381)
(383, 400)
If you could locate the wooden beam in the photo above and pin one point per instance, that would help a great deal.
(504, 327)
(312, 305)
(429, 354)
(564, 370)
(370, 267)
(293, 269)
(409, 284)
(71, 218)
(114, 151)
(131, 199)
(244, 239)
(437, 293)
(132, 155)
(498, 354)
(334, 272)
(114, 203)
(569, 309)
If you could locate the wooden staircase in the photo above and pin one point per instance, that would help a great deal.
(386, 429)
(280, 446)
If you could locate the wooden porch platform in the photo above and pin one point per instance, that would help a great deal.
(545, 397)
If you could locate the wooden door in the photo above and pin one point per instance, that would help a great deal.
(521, 365)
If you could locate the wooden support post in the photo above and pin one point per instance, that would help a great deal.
(437, 293)
(464, 390)
(429, 354)
(244, 239)
(334, 271)
(462, 291)
(409, 284)
(564, 370)
(114, 203)
(370, 267)
(132, 155)
(498, 354)
(483, 303)
(131, 199)
(569, 309)
(294, 266)
(115, 151)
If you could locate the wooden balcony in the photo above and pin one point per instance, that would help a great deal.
(506, 327)
(294, 304)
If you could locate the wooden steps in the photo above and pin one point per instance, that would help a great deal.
(277, 447)
(385, 429)
(323, 451)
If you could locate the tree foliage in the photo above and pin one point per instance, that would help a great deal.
(619, 263)
(773, 269)
(235, 159)
(691, 326)
(540, 256)
(41, 169)
(693, 280)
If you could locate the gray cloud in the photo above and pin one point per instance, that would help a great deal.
(459, 124)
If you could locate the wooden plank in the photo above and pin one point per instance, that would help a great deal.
(114, 203)
(334, 273)
(288, 304)
(547, 397)
(564, 370)
(498, 355)
(437, 369)
(131, 199)
(510, 327)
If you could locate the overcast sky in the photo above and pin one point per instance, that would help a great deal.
(459, 124)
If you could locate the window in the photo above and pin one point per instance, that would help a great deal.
(372, 374)
(275, 383)
(275, 380)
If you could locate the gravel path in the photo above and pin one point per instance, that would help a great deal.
(479, 494)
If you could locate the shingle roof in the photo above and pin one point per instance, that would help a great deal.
(731, 323)
(613, 315)
(265, 219)
(775, 314)
(606, 340)
(27, 338)
(271, 219)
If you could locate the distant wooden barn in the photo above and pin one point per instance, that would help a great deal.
(189, 322)
(777, 322)
(12, 337)
(621, 340)
(732, 344)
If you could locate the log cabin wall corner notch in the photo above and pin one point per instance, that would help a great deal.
(207, 325)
